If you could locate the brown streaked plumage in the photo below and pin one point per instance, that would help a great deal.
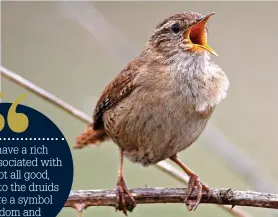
(161, 101)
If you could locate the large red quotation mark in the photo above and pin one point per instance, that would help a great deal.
(17, 122)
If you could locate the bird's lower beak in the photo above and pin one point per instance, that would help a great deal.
(197, 35)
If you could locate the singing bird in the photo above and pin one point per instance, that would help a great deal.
(160, 103)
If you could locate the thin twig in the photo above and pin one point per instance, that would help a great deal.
(45, 95)
(174, 195)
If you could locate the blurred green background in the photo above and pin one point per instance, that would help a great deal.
(45, 43)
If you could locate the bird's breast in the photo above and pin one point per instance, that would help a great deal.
(152, 126)
(165, 113)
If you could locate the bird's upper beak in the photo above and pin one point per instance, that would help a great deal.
(197, 35)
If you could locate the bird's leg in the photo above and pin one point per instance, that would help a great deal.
(122, 190)
(193, 181)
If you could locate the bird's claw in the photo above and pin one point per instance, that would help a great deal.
(121, 192)
(194, 182)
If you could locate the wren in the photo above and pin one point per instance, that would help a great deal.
(161, 101)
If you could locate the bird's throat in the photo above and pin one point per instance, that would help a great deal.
(189, 64)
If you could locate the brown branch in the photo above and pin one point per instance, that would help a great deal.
(86, 198)
(163, 166)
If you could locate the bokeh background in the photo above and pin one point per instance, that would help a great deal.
(74, 49)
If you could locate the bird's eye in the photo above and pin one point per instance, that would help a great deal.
(175, 28)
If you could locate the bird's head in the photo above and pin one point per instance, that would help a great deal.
(182, 32)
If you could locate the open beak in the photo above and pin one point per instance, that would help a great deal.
(197, 36)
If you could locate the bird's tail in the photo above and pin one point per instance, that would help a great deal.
(90, 137)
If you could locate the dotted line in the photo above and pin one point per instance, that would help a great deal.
(33, 139)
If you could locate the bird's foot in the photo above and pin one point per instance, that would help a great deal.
(195, 182)
(124, 205)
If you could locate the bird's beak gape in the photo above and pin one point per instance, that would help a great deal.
(197, 35)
